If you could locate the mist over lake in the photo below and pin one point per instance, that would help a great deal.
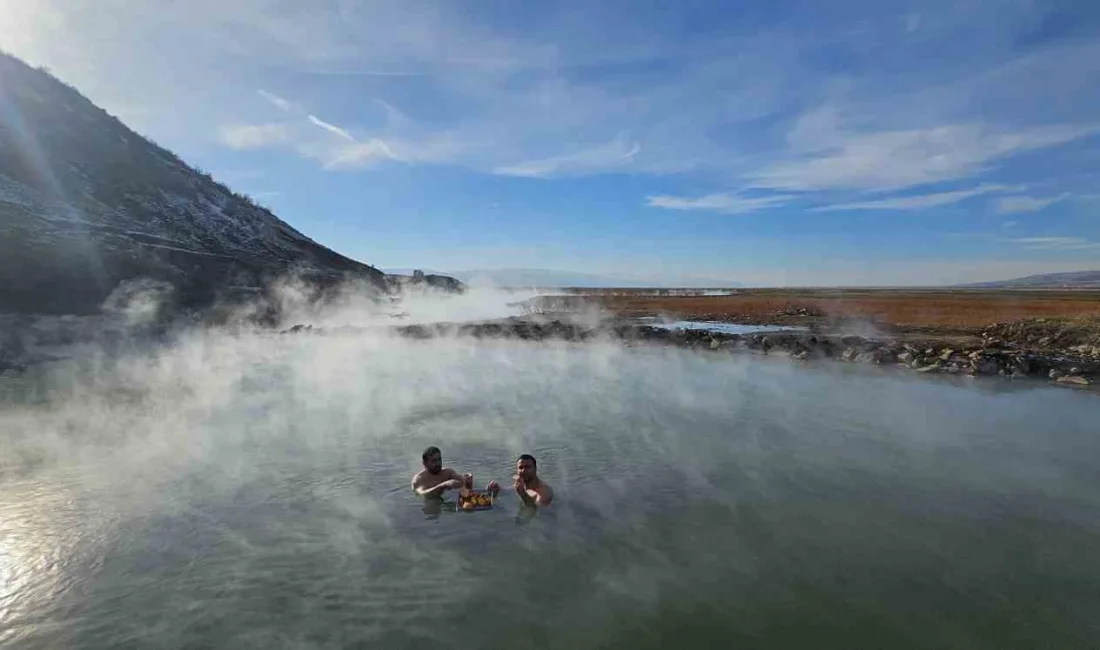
(252, 491)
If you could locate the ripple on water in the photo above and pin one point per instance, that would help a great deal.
(698, 502)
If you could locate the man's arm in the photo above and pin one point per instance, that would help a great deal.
(541, 497)
(521, 492)
(453, 482)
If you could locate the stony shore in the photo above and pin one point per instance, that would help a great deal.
(1061, 351)
(1008, 351)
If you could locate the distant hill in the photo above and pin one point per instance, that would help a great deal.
(1073, 280)
(553, 278)
(87, 204)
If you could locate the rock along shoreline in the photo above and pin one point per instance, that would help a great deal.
(1073, 366)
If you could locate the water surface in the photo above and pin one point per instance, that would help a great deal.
(717, 326)
(253, 493)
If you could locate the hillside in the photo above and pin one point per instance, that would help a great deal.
(1073, 280)
(86, 204)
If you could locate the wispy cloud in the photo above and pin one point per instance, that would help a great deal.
(612, 155)
(357, 155)
(1021, 204)
(277, 101)
(828, 158)
(331, 128)
(917, 202)
(254, 136)
(721, 202)
(1056, 243)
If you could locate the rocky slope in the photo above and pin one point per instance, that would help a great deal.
(87, 204)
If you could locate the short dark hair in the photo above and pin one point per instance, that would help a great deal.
(528, 457)
(429, 451)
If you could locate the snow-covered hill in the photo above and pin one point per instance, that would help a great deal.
(86, 203)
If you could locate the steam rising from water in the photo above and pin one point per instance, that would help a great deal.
(251, 490)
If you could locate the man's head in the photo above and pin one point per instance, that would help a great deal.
(433, 460)
(526, 467)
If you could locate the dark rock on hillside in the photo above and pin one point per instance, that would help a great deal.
(87, 204)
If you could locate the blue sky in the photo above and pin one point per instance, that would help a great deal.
(766, 142)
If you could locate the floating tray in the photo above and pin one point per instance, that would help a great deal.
(460, 501)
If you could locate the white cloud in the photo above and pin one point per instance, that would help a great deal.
(918, 202)
(331, 128)
(254, 136)
(357, 155)
(604, 157)
(721, 202)
(826, 158)
(364, 154)
(1020, 204)
(394, 116)
(1056, 243)
(277, 101)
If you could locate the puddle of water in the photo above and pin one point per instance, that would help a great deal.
(714, 326)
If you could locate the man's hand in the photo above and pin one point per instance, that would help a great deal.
(521, 490)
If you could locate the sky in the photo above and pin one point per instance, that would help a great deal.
(766, 142)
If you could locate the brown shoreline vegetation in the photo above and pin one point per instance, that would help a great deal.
(1048, 335)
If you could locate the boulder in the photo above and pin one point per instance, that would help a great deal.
(1056, 374)
(929, 368)
(849, 354)
(1074, 380)
(946, 354)
(984, 365)
(905, 357)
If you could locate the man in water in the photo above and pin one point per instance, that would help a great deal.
(435, 479)
(532, 490)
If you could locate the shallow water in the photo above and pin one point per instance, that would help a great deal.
(717, 326)
(254, 493)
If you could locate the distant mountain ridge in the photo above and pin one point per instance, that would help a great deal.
(87, 204)
(1070, 280)
(549, 278)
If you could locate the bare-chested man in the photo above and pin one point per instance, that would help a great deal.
(532, 490)
(435, 479)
